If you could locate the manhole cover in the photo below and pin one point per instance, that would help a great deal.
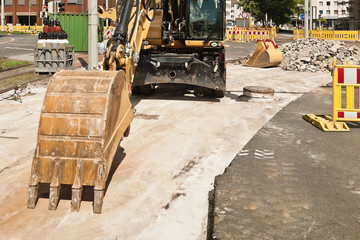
(257, 93)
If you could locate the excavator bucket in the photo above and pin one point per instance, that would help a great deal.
(267, 54)
(83, 118)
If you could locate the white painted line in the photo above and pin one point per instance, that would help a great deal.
(10, 40)
(16, 48)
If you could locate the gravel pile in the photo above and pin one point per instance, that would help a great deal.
(313, 55)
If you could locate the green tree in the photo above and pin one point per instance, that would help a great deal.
(321, 21)
(280, 11)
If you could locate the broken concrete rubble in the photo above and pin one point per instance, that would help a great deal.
(314, 55)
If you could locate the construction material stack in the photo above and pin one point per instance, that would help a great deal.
(52, 51)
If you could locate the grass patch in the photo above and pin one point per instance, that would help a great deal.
(5, 63)
(14, 81)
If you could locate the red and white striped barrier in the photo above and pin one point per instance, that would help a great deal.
(349, 75)
(35, 28)
(108, 33)
(345, 77)
(246, 34)
(7, 28)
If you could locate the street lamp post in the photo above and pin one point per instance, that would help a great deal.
(2, 15)
(29, 14)
(311, 16)
(306, 20)
(55, 9)
(107, 8)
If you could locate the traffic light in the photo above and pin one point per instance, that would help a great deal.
(61, 7)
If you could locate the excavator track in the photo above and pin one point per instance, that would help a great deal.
(84, 116)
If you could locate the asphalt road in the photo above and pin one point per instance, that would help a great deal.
(292, 181)
(19, 47)
(236, 50)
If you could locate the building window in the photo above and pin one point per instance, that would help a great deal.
(232, 11)
(335, 3)
(232, 16)
(327, 3)
(8, 2)
(321, 12)
(33, 2)
(21, 2)
(328, 12)
(321, 4)
(343, 12)
(336, 12)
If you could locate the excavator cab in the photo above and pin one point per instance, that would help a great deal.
(204, 20)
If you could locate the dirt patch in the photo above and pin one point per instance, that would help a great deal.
(146, 116)
(187, 168)
(173, 198)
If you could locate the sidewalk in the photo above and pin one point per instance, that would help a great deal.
(81, 59)
(292, 181)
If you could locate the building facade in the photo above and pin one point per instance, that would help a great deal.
(19, 12)
(336, 13)
(233, 11)
(354, 21)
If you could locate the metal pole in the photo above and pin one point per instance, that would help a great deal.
(2, 15)
(29, 14)
(55, 9)
(107, 9)
(266, 19)
(93, 27)
(311, 16)
(42, 9)
(306, 20)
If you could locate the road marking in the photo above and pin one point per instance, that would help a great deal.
(10, 40)
(29, 45)
(16, 48)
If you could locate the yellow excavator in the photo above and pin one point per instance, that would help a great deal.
(85, 114)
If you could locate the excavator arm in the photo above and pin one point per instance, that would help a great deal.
(85, 114)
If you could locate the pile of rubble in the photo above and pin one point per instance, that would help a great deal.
(313, 55)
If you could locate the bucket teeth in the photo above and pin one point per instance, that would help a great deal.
(76, 188)
(54, 187)
(98, 200)
(32, 196)
(54, 197)
(76, 199)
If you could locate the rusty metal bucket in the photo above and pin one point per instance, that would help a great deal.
(267, 54)
(83, 118)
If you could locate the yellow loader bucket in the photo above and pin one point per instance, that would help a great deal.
(83, 118)
(267, 54)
